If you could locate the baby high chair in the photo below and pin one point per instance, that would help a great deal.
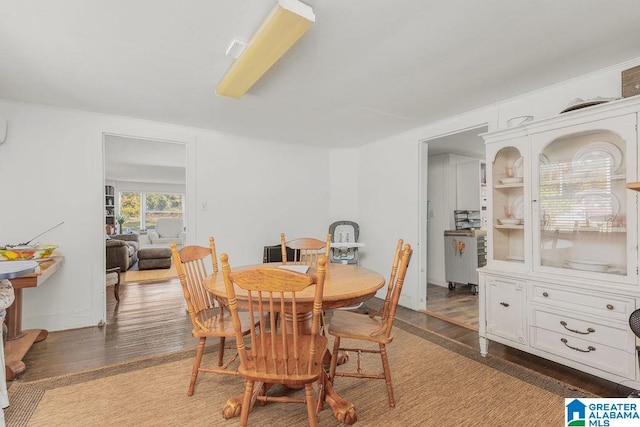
(346, 232)
(344, 249)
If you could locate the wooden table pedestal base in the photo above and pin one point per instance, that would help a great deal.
(15, 349)
(344, 411)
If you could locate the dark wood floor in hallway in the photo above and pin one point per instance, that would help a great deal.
(151, 319)
(459, 305)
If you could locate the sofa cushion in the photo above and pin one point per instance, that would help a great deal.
(122, 251)
(112, 243)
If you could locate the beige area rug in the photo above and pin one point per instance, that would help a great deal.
(159, 275)
(437, 382)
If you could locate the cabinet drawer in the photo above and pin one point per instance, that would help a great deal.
(575, 325)
(597, 305)
(583, 351)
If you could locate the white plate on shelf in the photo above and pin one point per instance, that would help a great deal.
(517, 168)
(600, 207)
(599, 154)
(509, 221)
(588, 265)
(517, 208)
(513, 180)
(514, 258)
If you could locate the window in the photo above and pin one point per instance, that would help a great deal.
(141, 210)
(577, 196)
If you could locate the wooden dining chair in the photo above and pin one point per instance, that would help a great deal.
(371, 328)
(307, 250)
(209, 318)
(286, 354)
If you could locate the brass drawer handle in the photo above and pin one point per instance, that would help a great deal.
(589, 330)
(589, 349)
(504, 304)
(609, 307)
(545, 294)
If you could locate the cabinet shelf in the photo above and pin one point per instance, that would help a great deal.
(518, 185)
(509, 227)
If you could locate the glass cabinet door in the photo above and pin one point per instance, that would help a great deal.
(581, 206)
(508, 205)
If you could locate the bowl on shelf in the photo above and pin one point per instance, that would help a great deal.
(517, 121)
(20, 253)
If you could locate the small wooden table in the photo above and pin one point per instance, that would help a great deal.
(633, 186)
(19, 341)
(344, 286)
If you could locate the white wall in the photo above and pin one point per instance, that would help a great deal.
(145, 186)
(255, 189)
(343, 185)
(388, 200)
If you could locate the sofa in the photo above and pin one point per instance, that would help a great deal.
(168, 230)
(122, 251)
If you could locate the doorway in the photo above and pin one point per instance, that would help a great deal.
(441, 197)
(145, 179)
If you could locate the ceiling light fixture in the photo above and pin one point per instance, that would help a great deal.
(286, 23)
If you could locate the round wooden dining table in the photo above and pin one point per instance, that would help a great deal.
(344, 286)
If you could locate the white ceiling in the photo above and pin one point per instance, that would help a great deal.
(464, 143)
(142, 160)
(365, 70)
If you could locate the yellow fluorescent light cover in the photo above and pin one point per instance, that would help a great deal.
(281, 30)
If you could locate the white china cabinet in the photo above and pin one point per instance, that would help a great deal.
(562, 265)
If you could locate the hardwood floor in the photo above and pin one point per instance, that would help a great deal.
(457, 306)
(151, 319)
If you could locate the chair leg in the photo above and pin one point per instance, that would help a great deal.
(334, 358)
(116, 287)
(387, 374)
(311, 405)
(196, 366)
(246, 403)
(221, 351)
